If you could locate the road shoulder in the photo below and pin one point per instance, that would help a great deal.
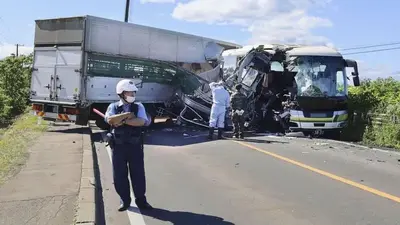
(86, 205)
(46, 189)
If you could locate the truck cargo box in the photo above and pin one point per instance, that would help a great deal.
(119, 38)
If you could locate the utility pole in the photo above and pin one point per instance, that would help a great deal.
(127, 10)
(17, 45)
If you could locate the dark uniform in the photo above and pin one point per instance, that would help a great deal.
(126, 143)
(238, 103)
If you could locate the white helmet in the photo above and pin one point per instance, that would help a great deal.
(126, 85)
(216, 84)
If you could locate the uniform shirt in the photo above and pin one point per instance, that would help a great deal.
(238, 101)
(126, 107)
(221, 97)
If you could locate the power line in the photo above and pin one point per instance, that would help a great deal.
(377, 50)
(370, 46)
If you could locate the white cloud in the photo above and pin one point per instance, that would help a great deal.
(268, 21)
(8, 49)
(157, 1)
(366, 70)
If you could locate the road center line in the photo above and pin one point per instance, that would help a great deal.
(324, 173)
(135, 218)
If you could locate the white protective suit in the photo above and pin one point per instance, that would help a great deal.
(221, 101)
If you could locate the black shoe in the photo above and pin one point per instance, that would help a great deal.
(220, 130)
(144, 205)
(210, 133)
(124, 207)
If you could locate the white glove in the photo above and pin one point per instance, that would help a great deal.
(239, 112)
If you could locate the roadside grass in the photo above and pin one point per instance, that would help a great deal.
(14, 142)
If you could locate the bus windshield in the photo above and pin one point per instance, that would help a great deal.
(319, 76)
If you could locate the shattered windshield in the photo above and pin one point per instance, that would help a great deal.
(319, 76)
(229, 65)
(249, 76)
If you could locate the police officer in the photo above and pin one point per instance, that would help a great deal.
(238, 101)
(127, 119)
(219, 108)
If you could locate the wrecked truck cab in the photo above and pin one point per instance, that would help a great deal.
(247, 66)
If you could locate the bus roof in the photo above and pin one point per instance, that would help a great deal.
(314, 51)
(298, 50)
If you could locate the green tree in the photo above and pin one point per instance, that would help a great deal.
(380, 98)
(15, 76)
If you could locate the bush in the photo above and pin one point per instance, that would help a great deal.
(15, 76)
(374, 109)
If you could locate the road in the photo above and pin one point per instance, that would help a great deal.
(262, 180)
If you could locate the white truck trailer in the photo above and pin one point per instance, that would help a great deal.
(78, 61)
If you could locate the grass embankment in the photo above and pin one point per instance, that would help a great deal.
(14, 142)
(374, 114)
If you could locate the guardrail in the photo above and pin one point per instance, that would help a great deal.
(381, 118)
(375, 118)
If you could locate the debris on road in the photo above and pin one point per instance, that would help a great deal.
(378, 160)
(321, 143)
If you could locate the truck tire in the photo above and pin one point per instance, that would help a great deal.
(82, 119)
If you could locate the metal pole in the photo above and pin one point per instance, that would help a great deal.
(127, 10)
(17, 49)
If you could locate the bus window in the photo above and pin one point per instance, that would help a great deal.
(276, 66)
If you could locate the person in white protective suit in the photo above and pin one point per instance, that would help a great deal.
(221, 103)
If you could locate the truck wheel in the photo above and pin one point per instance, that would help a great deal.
(100, 123)
(83, 118)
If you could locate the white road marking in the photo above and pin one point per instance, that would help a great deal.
(134, 214)
(196, 136)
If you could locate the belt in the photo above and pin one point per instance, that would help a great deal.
(127, 139)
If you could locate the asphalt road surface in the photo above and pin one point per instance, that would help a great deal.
(261, 180)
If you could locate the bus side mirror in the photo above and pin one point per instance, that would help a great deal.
(355, 75)
(356, 79)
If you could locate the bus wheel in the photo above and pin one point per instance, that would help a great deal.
(308, 133)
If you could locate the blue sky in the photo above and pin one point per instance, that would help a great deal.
(343, 23)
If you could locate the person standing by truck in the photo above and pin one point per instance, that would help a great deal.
(238, 101)
(221, 102)
(127, 119)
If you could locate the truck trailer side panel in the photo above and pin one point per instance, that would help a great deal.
(126, 39)
(102, 89)
(61, 31)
